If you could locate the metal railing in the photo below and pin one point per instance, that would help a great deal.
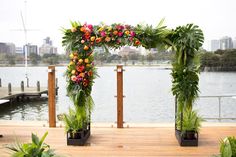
(219, 97)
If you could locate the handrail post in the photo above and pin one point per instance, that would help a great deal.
(119, 71)
(51, 96)
(0, 82)
(219, 108)
(9, 89)
(22, 86)
(38, 86)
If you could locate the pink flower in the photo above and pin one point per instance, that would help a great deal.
(132, 33)
(73, 78)
(90, 27)
(130, 38)
(120, 34)
(103, 33)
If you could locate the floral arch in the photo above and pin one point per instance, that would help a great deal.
(80, 40)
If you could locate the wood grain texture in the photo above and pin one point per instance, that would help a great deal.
(51, 97)
(138, 141)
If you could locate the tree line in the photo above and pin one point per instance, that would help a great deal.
(220, 60)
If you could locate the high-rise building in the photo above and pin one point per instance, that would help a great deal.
(226, 43)
(215, 45)
(47, 41)
(234, 43)
(47, 47)
(31, 49)
(8, 48)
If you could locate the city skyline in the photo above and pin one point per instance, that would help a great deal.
(45, 18)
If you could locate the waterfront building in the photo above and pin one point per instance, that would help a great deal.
(226, 43)
(125, 51)
(8, 48)
(31, 49)
(234, 43)
(47, 47)
(215, 45)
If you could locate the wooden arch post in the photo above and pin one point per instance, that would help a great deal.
(119, 71)
(51, 96)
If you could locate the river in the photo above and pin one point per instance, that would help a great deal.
(147, 90)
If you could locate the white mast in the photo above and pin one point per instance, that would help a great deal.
(26, 45)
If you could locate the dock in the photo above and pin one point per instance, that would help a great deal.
(11, 94)
(135, 140)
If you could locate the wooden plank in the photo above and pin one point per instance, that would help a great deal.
(51, 96)
(133, 141)
(119, 96)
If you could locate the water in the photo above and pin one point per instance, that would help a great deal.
(147, 90)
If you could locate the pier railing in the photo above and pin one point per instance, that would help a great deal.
(219, 97)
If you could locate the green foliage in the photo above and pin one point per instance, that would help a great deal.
(191, 120)
(35, 149)
(228, 147)
(34, 58)
(186, 40)
(50, 59)
(73, 121)
(222, 59)
(185, 83)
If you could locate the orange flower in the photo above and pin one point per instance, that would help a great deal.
(82, 29)
(92, 38)
(115, 32)
(86, 60)
(86, 47)
(127, 32)
(87, 35)
(107, 39)
(75, 53)
(98, 40)
(81, 75)
(90, 73)
(137, 42)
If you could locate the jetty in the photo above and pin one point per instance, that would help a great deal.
(12, 94)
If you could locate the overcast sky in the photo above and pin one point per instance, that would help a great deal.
(215, 17)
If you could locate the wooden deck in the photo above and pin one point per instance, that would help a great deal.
(132, 141)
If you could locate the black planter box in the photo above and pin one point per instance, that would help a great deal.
(186, 142)
(81, 137)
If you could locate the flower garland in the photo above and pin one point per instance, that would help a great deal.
(80, 40)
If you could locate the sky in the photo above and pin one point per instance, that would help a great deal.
(46, 17)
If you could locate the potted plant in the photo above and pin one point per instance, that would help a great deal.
(77, 128)
(185, 73)
(190, 124)
(37, 148)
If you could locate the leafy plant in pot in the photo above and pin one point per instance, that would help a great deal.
(73, 123)
(191, 123)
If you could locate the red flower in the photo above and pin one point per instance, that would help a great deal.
(120, 34)
(80, 68)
